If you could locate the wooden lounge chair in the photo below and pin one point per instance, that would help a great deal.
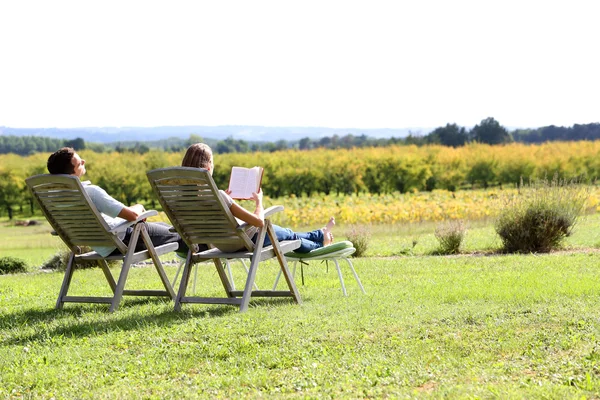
(334, 252)
(74, 218)
(192, 202)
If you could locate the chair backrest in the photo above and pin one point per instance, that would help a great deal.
(191, 200)
(71, 213)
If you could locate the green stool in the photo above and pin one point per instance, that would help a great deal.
(333, 252)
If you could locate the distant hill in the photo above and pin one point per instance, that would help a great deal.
(247, 133)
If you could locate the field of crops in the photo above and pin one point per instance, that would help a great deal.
(366, 172)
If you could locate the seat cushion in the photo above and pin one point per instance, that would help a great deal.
(322, 251)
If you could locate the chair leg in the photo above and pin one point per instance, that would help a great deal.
(156, 261)
(120, 285)
(125, 269)
(339, 271)
(108, 275)
(181, 264)
(355, 275)
(230, 274)
(195, 279)
(185, 277)
(253, 267)
(66, 281)
(223, 277)
(289, 278)
(246, 269)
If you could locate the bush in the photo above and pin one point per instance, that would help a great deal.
(59, 261)
(12, 265)
(450, 234)
(359, 235)
(541, 217)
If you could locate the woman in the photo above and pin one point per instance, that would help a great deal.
(200, 155)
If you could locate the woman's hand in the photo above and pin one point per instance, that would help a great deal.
(258, 197)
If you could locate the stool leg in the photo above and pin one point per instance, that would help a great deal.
(293, 274)
(355, 275)
(339, 271)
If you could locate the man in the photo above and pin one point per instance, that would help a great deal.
(67, 161)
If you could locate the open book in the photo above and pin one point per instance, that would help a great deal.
(244, 181)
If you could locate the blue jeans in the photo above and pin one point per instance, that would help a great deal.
(308, 240)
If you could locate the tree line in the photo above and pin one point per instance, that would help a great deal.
(488, 131)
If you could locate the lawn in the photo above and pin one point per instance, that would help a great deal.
(477, 325)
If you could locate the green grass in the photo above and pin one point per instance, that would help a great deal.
(478, 326)
(34, 244)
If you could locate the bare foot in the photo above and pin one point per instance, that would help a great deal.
(327, 234)
(329, 225)
(327, 239)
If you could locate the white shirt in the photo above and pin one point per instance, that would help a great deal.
(109, 209)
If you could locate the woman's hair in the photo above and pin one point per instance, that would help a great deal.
(198, 155)
(60, 162)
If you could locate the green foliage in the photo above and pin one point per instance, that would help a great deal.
(450, 235)
(11, 190)
(450, 135)
(542, 217)
(12, 265)
(360, 236)
(483, 172)
(59, 260)
(489, 131)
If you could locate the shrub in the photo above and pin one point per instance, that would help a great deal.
(12, 265)
(359, 235)
(450, 234)
(541, 217)
(59, 260)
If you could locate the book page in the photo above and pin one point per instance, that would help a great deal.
(244, 181)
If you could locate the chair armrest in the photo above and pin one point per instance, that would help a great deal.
(272, 210)
(126, 224)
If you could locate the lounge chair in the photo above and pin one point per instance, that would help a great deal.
(192, 202)
(74, 218)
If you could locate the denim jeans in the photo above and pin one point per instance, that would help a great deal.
(308, 240)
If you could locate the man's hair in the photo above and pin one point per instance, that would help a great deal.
(198, 155)
(60, 162)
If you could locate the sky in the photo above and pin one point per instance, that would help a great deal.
(338, 64)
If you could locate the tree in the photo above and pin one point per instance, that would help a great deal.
(450, 135)
(11, 190)
(489, 131)
(304, 144)
(76, 144)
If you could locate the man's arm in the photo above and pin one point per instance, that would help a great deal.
(131, 213)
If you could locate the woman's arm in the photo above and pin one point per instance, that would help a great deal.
(255, 219)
